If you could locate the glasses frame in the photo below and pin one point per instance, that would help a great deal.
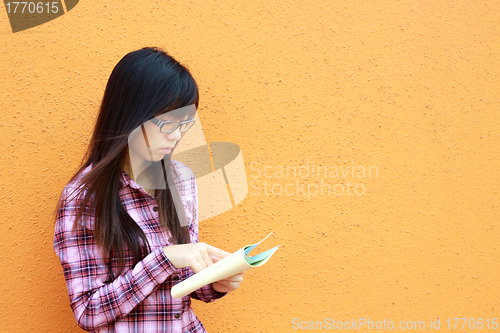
(160, 124)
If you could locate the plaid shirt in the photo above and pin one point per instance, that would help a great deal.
(139, 300)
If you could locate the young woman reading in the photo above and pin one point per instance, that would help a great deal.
(126, 227)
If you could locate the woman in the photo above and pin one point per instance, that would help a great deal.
(126, 227)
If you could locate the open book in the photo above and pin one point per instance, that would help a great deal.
(233, 264)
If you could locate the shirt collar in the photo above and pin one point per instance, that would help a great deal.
(126, 180)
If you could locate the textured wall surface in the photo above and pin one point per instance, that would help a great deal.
(370, 134)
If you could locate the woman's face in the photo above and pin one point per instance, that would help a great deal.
(148, 143)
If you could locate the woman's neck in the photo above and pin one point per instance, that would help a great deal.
(125, 166)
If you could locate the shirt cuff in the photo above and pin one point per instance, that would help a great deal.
(157, 266)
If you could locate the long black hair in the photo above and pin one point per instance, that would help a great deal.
(145, 83)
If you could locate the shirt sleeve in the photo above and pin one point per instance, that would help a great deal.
(206, 293)
(94, 301)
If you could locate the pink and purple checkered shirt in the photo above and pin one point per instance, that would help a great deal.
(139, 300)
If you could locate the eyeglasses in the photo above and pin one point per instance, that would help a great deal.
(172, 126)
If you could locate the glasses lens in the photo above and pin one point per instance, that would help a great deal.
(169, 127)
(186, 126)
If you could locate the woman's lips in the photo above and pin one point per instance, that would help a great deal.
(166, 150)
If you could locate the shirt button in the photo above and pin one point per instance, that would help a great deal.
(170, 240)
(155, 209)
(177, 316)
(176, 278)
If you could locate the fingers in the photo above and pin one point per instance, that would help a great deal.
(198, 256)
(196, 266)
(225, 283)
(235, 278)
(205, 257)
(216, 252)
(230, 284)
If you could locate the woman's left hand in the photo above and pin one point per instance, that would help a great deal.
(228, 284)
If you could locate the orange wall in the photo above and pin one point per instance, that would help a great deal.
(408, 87)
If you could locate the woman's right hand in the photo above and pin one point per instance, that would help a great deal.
(194, 255)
